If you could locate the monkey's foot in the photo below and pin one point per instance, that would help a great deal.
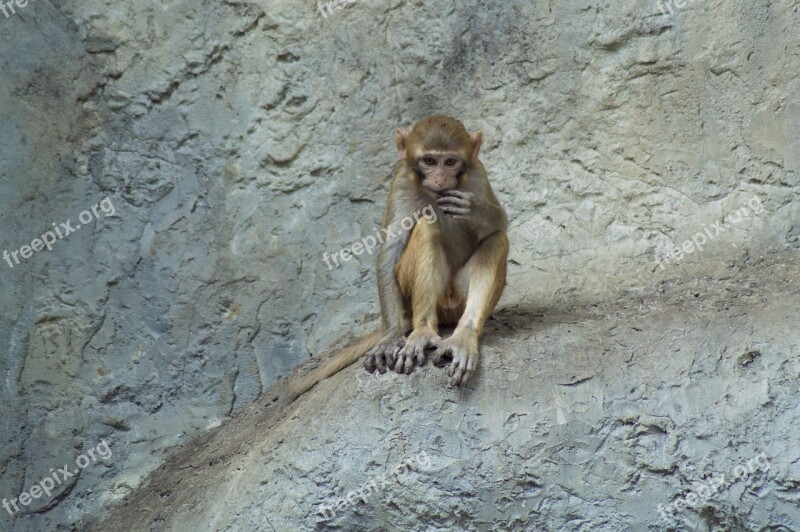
(414, 350)
(461, 351)
(384, 354)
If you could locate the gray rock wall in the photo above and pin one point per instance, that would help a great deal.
(671, 411)
(238, 142)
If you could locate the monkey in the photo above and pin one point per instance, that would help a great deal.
(451, 272)
(446, 269)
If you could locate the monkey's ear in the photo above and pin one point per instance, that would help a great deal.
(477, 140)
(400, 138)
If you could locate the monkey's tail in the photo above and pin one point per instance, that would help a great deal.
(344, 358)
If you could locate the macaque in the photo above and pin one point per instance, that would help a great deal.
(445, 269)
(450, 272)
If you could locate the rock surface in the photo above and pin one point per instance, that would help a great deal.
(239, 141)
(595, 417)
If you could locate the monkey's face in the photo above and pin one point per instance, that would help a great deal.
(439, 171)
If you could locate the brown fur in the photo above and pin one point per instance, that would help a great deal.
(448, 272)
(336, 363)
(439, 133)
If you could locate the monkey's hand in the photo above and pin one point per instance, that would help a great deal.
(456, 203)
(414, 350)
(384, 354)
(462, 350)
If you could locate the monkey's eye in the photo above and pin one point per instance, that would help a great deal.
(429, 161)
(450, 162)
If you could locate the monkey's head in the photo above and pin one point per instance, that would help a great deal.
(438, 151)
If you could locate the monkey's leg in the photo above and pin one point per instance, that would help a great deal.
(423, 275)
(482, 278)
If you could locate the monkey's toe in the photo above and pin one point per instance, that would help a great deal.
(390, 356)
(382, 356)
(369, 363)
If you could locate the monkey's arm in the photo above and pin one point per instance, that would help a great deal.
(388, 291)
(396, 238)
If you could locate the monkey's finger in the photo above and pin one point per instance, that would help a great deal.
(456, 193)
(399, 363)
(369, 363)
(391, 356)
(453, 205)
(462, 373)
(450, 206)
(463, 370)
(457, 211)
(452, 200)
(468, 373)
(449, 198)
(419, 354)
(460, 379)
(458, 372)
(458, 365)
(409, 364)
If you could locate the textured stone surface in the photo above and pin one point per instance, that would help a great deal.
(239, 141)
(582, 418)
